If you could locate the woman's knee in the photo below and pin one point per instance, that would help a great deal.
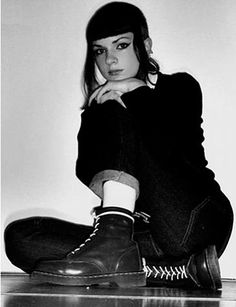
(209, 223)
(15, 235)
(19, 228)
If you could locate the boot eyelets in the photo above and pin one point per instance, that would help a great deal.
(89, 238)
(171, 273)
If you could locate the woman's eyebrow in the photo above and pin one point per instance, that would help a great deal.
(97, 45)
(122, 37)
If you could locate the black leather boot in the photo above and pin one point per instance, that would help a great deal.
(200, 270)
(109, 255)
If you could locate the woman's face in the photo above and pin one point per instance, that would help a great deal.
(115, 57)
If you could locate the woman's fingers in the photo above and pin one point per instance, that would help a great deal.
(112, 95)
(94, 95)
(119, 86)
(107, 88)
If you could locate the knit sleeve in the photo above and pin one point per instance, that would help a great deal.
(192, 134)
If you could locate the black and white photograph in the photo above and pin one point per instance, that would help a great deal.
(118, 153)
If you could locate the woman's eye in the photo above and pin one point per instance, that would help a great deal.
(98, 52)
(123, 45)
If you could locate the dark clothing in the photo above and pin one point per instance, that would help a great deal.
(158, 141)
(167, 119)
(155, 146)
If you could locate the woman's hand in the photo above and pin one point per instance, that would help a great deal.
(114, 89)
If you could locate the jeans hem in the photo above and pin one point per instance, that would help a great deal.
(96, 184)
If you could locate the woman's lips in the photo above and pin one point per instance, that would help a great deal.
(115, 72)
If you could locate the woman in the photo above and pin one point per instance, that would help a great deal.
(140, 151)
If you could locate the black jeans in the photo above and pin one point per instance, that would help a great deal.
(185, 214)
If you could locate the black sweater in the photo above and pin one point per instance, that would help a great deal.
(169, 119)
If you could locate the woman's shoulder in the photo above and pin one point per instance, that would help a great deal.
(177, 79)
(181, 88)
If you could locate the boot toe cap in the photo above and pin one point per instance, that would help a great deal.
(75, 268)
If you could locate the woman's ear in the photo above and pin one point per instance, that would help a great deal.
(148, 45)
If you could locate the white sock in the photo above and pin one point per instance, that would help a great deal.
(116, 194)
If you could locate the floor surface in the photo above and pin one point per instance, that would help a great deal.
(18, 290)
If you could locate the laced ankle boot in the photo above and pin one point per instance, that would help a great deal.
(109, 255)
(200, 270)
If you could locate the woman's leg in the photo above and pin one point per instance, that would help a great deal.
(29, 240)
(187, 222)
(110, 150)
(32, 239)
(185, 215)
(107, 148)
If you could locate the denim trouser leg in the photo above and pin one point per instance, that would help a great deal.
(36, 238)
(107, 147)
(185, 216)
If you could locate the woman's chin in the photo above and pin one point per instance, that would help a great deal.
(116, 78)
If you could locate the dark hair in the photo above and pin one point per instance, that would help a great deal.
(103, 24)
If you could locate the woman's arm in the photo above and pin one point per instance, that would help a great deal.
(113, 90)
(169, 115)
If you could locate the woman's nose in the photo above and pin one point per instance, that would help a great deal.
(111, 58)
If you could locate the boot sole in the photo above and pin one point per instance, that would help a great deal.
(213, 267)
(130, 279)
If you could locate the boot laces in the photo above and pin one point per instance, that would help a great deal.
(144, 216)
(165, 272)
(89, 238)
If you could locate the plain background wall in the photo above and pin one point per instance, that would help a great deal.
(43, 49)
